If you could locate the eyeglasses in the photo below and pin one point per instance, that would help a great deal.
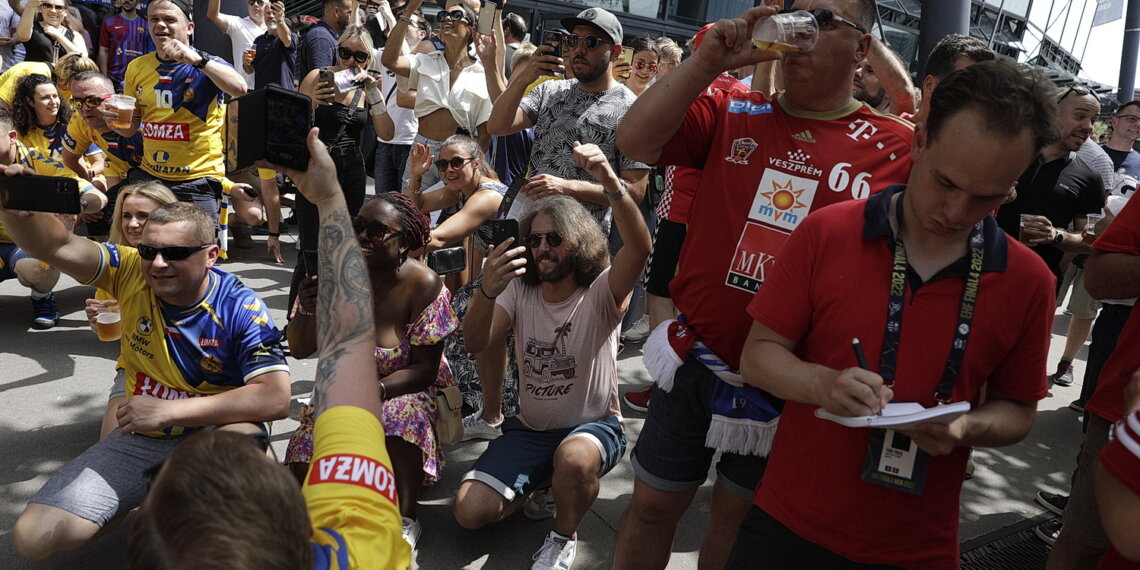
(1130, 119)
(373, 229)
(572, 41)
(642, 65)
(1080, 90)
(454, 15)
(170, 252)
(553, 239)
(455, 162)
(826, 19)
(346, 53)
(53, 8)
(92, 101)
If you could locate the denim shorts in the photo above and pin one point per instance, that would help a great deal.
(670, 454)
(522, 459)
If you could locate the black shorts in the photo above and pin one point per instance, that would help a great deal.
(662, 267)
(763, 542)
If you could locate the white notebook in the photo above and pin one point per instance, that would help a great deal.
(901, 415)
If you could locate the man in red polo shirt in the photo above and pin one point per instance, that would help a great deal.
(944, 304)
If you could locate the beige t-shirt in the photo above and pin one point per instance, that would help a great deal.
(567, 353)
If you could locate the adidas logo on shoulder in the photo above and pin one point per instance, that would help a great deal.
(804, 136)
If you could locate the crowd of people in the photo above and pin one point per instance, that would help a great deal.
(718, 208)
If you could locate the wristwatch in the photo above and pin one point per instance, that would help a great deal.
(1060, 237)
(615, 196)
(205, 59)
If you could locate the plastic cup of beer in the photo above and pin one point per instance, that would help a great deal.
(1093, 219)
(1025, 220)
(108, 324)
(249, 54)
(124, 106)
(793, 32)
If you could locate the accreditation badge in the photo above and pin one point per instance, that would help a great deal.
(894, 461)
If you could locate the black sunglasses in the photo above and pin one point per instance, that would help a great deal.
(92, 101)
(826, 19)
(455, 14)
(572, 41)
(455, 162)
(1080, 90)
(346, 53)
(553, 239)
(373, 229)
(170, 252)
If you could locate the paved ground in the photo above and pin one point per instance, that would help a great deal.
(54, 386)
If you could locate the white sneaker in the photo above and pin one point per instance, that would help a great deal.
(411, 532)
(638, 331)
(556, 553)
(539, 505)
(475, 427)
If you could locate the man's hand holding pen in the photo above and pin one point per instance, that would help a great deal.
(852, 392)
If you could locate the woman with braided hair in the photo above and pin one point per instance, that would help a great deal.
(413, 317)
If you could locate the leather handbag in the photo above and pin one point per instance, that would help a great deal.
(449, 426)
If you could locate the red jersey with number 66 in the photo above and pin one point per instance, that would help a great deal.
(765, 165)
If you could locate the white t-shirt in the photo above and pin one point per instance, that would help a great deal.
(567, 353)
(404, 120)
(241, 31)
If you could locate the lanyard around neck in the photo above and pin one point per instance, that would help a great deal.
(896, 301)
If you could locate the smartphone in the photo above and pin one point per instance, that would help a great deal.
(626, 58)
(309, 262)
(325, 76)
(448, 260)
(487, 16)
(553, 38)
(37, 193)
(499, 230)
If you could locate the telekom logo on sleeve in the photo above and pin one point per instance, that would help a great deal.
(354, 470)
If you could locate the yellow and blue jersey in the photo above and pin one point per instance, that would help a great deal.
(182, 118)
(122, 152)
(219, 343)
(50, 142)
(350, 492)
(44, 166)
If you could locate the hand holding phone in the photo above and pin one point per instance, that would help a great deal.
(37, 193)
(487, 16)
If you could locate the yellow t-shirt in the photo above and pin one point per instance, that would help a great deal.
(182, 117)
(122, 152)
(217, 344)
(351, 494)
(50, 142)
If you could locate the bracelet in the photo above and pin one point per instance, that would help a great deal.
(275, 234)
(202, 63)
(383, 392)
(302, 311)
(485, 293)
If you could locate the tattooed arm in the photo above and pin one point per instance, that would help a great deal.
(346, 370)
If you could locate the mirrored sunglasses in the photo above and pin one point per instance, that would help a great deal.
(91, 101)
(572, 41)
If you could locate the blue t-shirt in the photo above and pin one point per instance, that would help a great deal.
(317, 50)
(274, 63)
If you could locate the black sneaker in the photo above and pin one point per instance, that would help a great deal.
(47, 314)
(1048, 531)
(1052, 501)
(1064, 378)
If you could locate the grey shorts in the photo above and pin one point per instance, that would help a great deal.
(1082, 517)
(108, 479)
(118, 385)
(1081, 304)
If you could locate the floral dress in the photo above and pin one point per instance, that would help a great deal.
(409, 416)
(463, 362)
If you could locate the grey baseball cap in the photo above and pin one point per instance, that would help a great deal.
(598, 18)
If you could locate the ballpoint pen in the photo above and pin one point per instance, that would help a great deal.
(862, 360)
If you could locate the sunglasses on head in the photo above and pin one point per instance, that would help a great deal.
(454, 15)
(455, 162)
(92, 101)
(826, 19)
(170, 252)
(572, 41)
(373, 229)
(346, 53)
(553, 239)
(1080, 90)
(642, 65)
